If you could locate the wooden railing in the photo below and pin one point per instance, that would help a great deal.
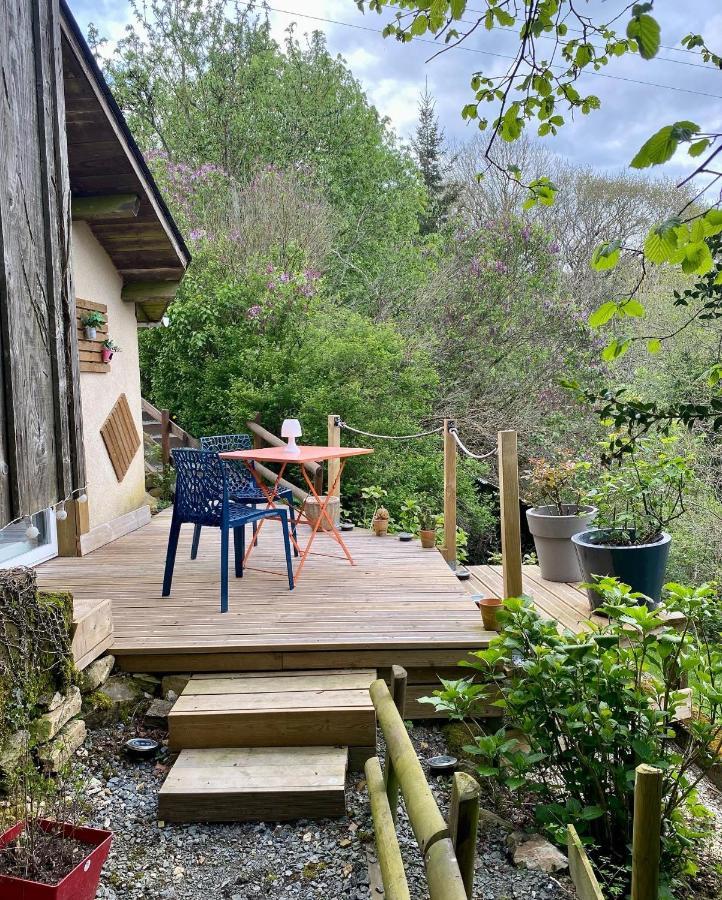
(167, 428)
(449, 850)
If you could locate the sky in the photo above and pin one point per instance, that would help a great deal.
(679, 85)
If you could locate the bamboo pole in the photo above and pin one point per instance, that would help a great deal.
(510, 524)
(464, 824)
(449, 494)
(646, 832)
(388, 851)
(398, 693)
(442, 872)
(426, 821)
(334, 440)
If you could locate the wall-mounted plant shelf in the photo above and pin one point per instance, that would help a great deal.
(91, 352)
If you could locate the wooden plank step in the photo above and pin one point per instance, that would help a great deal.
(255, 784)
(275, 709)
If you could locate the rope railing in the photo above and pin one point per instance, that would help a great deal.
(390, 437)
(464, 449)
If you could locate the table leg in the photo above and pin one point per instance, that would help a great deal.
(269, 495)
(324, 514)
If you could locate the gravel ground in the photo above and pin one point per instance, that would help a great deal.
(301, 860)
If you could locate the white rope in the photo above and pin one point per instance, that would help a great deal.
(391, 437)
(454, 433)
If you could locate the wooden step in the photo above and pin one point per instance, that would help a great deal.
(275, 709)
(255, 784)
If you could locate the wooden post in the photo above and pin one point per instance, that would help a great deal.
(449, 494)
(387, 844)
(334, 440)
(398, 692)
(464, 824)
(510, 524)
(258, 441)
(165, 436)
(646, 833)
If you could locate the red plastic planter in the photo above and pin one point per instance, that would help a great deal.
(80, 884)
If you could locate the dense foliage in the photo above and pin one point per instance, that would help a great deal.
(589, 708)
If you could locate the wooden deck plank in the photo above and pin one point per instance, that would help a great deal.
(398, 604)
(567, 604)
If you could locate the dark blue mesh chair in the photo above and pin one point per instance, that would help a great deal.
(242, 486)
(202, 498)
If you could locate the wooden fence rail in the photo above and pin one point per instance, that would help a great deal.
(403, 773)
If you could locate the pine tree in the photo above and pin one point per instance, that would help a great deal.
(428, 145)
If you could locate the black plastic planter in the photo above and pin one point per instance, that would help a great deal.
(641, 567)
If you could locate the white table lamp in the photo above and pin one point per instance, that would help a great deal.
(291, 429)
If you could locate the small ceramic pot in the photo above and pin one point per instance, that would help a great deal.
(91, 333)
(489, 607)
(428, 539)
(380, 526)
(106, 354)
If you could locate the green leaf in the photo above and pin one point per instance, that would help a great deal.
(661, 146)
(698, 147)
(420, 25)
(654, 345)
(697, 259)
(646, 32)
(632, 308)
(615, 350)
(602, 315)
(606, 256)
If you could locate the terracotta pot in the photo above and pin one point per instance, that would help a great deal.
(428, 539)
(79, 884)
(489, 607)
(380, 526)
(107, 354)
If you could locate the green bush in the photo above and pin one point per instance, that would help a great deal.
(592, 707)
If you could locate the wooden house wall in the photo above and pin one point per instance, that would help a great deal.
(40, 427)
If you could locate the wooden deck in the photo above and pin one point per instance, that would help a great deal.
(565, 603)
(398, 605)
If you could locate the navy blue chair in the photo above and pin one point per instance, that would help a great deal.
(242, 486)
(202, 498)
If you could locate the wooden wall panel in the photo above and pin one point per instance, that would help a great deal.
(39, 418)
(120, 436)
(90, 353)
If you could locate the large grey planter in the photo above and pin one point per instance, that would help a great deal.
(552, 535)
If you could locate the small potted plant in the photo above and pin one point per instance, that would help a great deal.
(108, 349)
(560, 514)
(638, 497)
(380, 521)
(427, 527)
(47, 855)
(489, 608)
(91, 323)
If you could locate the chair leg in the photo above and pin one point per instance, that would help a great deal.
(239, 542)
(287, 545)
(292, 514)
(173, 535)
(224, 569)
(196, 540)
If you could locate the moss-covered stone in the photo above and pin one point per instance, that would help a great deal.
(119, 699)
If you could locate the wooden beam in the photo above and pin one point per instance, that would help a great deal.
(142, 291)
(646, 832)
(387, 843)
(334, 440)
(105, 206)
(580, 869)
(449, 494)
(464, 824)
(398, 692)
(510, 524)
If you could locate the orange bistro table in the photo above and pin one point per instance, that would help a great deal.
(298, 457)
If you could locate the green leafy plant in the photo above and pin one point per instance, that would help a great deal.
(593, 706)
(409, 514)
(111, 345)
(372, 497)
(426, 518)
(640, 493)
(559, 484)
(93, 319)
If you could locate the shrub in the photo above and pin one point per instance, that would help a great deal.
(592, 707)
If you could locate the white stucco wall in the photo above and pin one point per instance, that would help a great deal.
(96, 278)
